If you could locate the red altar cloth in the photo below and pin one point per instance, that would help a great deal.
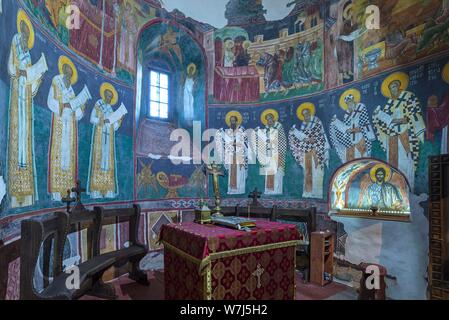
(236, 84)
(212, 262)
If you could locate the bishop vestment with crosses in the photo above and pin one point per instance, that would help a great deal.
(232, 149)
(400, 126)
(352, 138)
(271, 145)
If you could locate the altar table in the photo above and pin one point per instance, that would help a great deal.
(208, 262)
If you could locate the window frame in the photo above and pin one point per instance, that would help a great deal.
(159, 71)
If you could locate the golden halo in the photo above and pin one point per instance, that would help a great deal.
(305, 106)
(229, 43)
(346, 12)
(190, 67)
(397, 76)
(22, 16)
(107, 86)
(236, 114)
(246, 44)
(264, 114)
(387, 169)
(65, 60)
(445, 73)
(355, 93)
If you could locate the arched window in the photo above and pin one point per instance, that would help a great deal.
(159, 94)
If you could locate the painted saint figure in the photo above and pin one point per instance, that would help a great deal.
(102, 182)
(438, 115)
(25, 82)
(232, 149)
(310, 148)
(229, 54)
(189, 99)
(67, 109)
(352, 138)
(400, 126)
(271, 145)
(381, 193)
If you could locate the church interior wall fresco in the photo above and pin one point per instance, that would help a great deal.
(337, 91)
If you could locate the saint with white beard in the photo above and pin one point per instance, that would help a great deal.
(352, 138)
(270, 145)
(231, 146)
(67, 109)
(310, 148)
(102, 181)
(25, 82)
(400, 126)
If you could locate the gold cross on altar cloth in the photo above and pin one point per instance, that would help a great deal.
(258, 273)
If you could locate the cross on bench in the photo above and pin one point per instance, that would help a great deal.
(37, 231)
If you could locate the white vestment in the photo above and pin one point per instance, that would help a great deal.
(232, 149)
(64, 117)
(271, 145)
(189, 99)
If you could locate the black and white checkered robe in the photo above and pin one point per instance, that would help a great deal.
(314, 129)
(409, 107)
(342, 141)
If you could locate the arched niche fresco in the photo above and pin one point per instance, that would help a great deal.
(370, 188)
(167, 47)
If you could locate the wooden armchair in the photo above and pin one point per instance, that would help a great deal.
(305, 219)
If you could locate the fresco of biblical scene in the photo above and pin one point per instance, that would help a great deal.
(26, 79)
(173, 68)
(400, 39)
(370, 188)
(102, 181)
(106, 37)
(438, 115)
(253, 64)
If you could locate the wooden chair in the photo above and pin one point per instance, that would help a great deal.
(300, 217)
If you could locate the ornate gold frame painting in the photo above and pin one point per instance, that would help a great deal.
(369, 188)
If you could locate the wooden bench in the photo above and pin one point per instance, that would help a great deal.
(50, 234)
(305, 217)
